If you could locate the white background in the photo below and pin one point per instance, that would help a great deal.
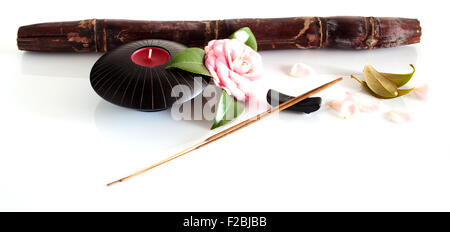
(60, 143)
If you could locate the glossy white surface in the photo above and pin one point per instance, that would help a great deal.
(61, 143)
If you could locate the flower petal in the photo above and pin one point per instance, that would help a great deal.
(346, 108)
(369, 105)
(421, 91)
(398, 117)
(233, 65)
(300, 70)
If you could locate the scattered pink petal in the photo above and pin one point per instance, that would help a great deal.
(369, 106)
(301, 70)
(421, 91)
(398, 117)
(364, 105)
(346, 108)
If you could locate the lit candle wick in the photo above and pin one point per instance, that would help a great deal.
(150, 54)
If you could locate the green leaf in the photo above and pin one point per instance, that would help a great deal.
(378, 83)
(400, 79)
(246, 36)
(227, 110)
(401, 92)
(190, 60)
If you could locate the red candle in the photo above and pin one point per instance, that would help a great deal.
(150, 56)
(135, 75)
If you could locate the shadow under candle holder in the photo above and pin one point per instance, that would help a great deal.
(156, 130)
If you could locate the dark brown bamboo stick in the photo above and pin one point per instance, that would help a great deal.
(101, 35)
(234, 128)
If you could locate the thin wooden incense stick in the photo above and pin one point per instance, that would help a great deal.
(234, 128)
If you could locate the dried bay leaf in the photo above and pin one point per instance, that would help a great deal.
(400, 79)
(378, 83)
(385, 85)
(401, 92)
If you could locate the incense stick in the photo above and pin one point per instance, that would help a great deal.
(232, 129)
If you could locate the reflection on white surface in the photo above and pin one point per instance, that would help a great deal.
(342, 62)
(71, 142)
(58, 64)
(64, 99)
(60, 143)
(151, 130)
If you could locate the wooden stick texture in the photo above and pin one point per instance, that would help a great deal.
(102, 35)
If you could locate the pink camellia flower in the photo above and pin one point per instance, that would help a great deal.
(233, 65)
